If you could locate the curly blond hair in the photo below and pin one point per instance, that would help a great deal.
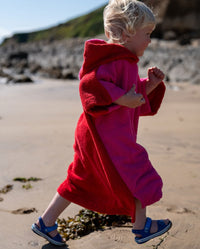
(124, 17)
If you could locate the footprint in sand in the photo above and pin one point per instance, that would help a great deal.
(24, 211)
(180, 210)
(20, 211)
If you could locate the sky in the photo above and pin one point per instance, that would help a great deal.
(18, 16)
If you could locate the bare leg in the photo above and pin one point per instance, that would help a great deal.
(55, 208)
(140, 219)
(140, 215)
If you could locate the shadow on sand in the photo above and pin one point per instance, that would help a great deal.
(50, 246)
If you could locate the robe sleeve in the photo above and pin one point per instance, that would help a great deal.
(100, 88)
(153, 100)
(106, 75)
(108, 79)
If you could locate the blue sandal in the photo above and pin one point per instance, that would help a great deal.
(145, 233)
(44, 232)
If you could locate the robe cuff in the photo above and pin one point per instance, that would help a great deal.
(145, 109)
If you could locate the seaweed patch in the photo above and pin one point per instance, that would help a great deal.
(6, 189)
(27, 181)
(23, 179)
(87, 221)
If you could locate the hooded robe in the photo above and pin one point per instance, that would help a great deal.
(110, 168)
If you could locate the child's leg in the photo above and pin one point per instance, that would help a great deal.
(140, 215)
(140, 219)
(55, 208)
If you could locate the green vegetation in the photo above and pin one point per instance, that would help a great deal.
(88, 25)
(27, 186)
(27, 181)
(23, 179)
(6, 189)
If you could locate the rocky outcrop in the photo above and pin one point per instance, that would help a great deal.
(63, 60)
(176, 19)
(10, 77)
(180, 63)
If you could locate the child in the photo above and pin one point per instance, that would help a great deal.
(111, 173)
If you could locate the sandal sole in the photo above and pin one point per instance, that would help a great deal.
(154, 235)
(38, 232)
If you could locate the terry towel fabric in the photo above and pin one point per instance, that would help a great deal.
(93, 180)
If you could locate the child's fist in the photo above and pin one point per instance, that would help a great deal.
(155, 75)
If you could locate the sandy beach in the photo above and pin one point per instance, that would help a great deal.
(37, 123)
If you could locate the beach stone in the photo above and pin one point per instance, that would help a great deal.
(19, 78)
(21, 55)
(68, 73)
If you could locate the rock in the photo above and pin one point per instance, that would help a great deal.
(63, 60)
(34, 68)
(180, 64)
(3, 74)
(18, 56)
(196, 79)
(19, 78)
(169, 35)
(68, 74)
(182, 17)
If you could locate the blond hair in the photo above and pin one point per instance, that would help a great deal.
(124, 17)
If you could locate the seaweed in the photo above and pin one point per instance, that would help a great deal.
(87, 221)
(27, 186)
(23, 179)
(6, 189)
(27, 180)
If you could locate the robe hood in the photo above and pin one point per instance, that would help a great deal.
(98, 52)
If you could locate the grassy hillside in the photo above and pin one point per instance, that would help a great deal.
(85, 26)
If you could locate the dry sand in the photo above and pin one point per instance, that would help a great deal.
(37, 123)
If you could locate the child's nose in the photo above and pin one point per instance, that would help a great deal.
(149, 40)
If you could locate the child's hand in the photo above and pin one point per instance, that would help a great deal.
(134, 99)
(131, 99)
(155, 75)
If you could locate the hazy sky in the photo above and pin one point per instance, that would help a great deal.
(30, 15)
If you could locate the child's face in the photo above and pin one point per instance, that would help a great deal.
(138, 42)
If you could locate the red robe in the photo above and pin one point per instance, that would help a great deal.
(93, 181)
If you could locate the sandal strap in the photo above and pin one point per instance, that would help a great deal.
(45, 228)
(58, 238)
(161, 224)
(146, 229)
(147, 226)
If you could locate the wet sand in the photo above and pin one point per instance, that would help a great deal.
(37, 123)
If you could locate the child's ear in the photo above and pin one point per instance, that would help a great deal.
(107, 34)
